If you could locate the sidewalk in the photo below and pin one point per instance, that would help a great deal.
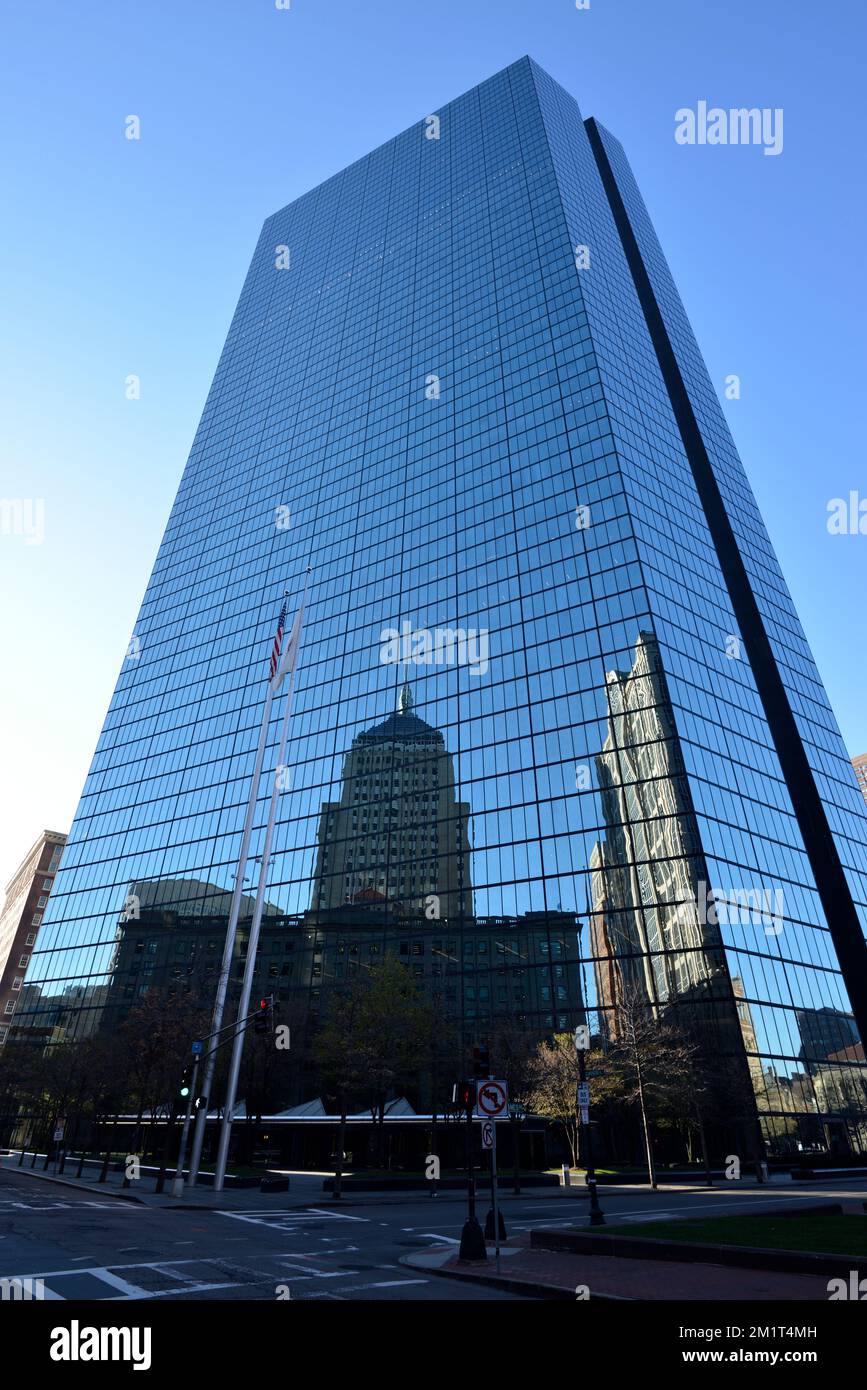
(555, 1274)
(305, 1189)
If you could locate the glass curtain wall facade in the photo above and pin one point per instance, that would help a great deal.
(558, 738)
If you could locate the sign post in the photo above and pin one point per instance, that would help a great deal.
(582, 1100)
(492, 1102)
(59, 1128)
(494, 1201)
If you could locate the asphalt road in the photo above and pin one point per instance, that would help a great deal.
(85, 1246)
(88, 1247)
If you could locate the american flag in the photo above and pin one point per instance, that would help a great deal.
(278, 641)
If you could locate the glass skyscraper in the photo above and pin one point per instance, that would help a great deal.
(558, 739)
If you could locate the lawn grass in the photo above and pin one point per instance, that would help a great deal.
(835, 1234)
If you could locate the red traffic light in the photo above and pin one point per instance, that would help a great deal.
(464, 1094)
(262, 1019)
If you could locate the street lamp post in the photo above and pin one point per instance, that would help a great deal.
(582, 1098)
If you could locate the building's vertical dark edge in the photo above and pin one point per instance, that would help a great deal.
(830, 877)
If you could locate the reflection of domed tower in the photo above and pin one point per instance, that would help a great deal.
(397, 831)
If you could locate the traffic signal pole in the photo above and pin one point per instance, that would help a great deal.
(178, 1180)
(472, 1239)
(187, 1092)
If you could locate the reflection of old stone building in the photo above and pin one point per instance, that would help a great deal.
(479, 972)
(816, 1105)
(170, 937)
(654, 945)
(81, 1004)
(646, 933)
(833, 1059)
(397, 830)
(823, 1032)
(748, 1031)
(27, 894)
(841, 1087)
(524, 969)
(860, 766)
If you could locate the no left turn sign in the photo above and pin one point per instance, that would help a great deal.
(492, 1099)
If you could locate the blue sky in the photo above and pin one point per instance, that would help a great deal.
(124, 257)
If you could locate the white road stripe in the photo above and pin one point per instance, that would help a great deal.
(285, 1220)
(395, 1283)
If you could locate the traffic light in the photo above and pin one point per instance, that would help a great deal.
(262, 1020)
(464, 1094)
(481, 1062)
(186, 1084)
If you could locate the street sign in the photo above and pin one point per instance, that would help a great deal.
(583, 1094)
(197, 1048)
(585, 1114)
(487, 1134)
(492, 1099)
(58, 1131)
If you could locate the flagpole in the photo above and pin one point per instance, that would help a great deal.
(229, 944)
(253, 943)
(252, 946)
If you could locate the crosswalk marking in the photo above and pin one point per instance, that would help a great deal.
(10, 1205)
(125, 1288)
(290, 1220)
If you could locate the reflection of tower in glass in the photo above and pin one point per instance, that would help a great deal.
(648, 880)
(397, 834)
(748, 1031)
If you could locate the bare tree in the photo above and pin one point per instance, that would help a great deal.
(551, 1088)
(513, 1057)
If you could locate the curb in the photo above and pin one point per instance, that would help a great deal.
(543, 1292)
(79, 1186)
